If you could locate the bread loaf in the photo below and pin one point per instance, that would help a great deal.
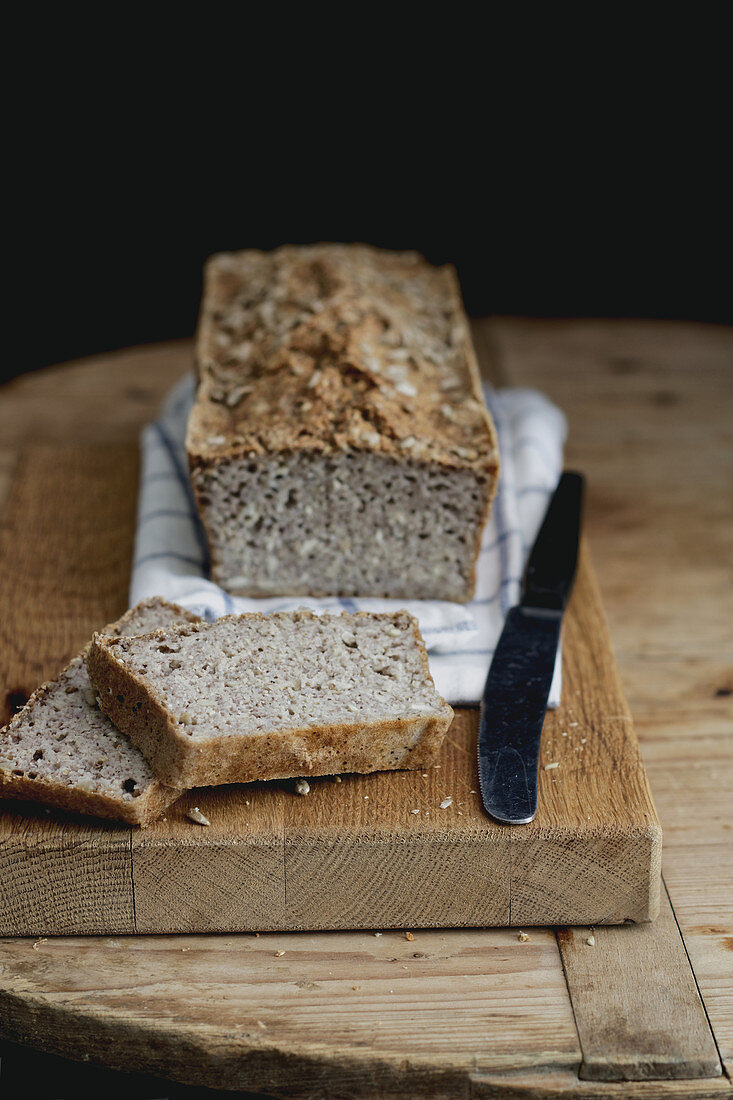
(339, 443)
(268, 697)
(61, 750)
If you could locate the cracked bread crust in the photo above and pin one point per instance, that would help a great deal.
(136, 705)
(332, 348)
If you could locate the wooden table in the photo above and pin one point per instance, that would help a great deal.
(646, 1011)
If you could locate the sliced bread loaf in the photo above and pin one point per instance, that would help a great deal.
(268, 697)
(339, 394)
(61, 750)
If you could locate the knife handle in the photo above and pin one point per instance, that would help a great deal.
(552, 563)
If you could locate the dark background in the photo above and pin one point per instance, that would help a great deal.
(122, 269)
(603, 202)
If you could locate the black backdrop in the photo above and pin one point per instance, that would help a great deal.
(567, 205)
(127, 275)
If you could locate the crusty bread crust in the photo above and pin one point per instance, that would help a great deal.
(141, 811)
(326, 381)
(180, 761)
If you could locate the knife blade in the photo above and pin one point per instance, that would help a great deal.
(518, 685)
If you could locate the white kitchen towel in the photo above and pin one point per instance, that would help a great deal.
(171, 557)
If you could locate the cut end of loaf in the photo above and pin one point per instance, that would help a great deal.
(350, 524)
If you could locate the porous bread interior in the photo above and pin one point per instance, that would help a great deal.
(65, 738)
(62, 737)
(286, 671)
(346, 524)
(148, 615)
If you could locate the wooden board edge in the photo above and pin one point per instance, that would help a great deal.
(244, 1059)
(564, 1085)
(645, 1019)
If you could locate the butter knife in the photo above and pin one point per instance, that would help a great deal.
(518, 685)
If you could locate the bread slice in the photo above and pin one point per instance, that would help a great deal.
(61, 750)
(267, 697)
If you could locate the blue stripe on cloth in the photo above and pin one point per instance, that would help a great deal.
(462, 652)
(546, 489)
(456, 628)
(485, 600)
(539, 446)
(173, 555)
(490, 547)
(161, 475)
(181, 402)
(160, 513)
(502, 526)
(183, 478)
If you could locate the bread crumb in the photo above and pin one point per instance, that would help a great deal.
(446, 803)
(336, 778)
(424, 775)
(409, 936)
(356, 987)
(523, 937)
(583, 740)
(302, 786)
(279, 954)
(262, 1024)
(184, 950)
(37, 944)
(196, 815)
(591, 941)
(377, 935)
(366, 797)
(549, 767)
(414, 811)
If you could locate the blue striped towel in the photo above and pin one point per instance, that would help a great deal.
(171, 553)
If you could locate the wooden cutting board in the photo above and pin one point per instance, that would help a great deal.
(349, 855)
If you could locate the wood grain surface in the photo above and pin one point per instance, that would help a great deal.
(617, 1042)
(648, 406)
(350, 855)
